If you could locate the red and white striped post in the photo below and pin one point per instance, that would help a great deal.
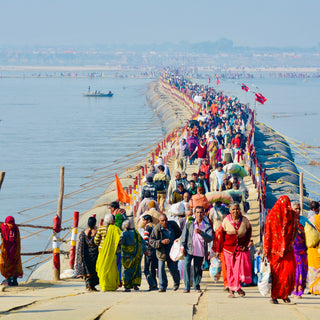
(56, 247)
(74, 239)
(56, 230)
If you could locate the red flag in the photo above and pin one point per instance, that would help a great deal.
(218, 81)
(260, 98)
(244, 87)
(209, 80)
(122, 195)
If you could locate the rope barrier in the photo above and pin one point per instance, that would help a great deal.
(276, 155)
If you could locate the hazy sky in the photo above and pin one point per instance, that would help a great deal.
(79, 22)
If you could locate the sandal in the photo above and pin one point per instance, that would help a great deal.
(241, 293)
(286, 300)
(274, 301)
(231, 294)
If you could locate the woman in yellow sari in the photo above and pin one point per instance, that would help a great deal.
(106, 266)
(314, 262)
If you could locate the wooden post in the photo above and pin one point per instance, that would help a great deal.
(57, 228)
(2, 174)
(301, 191)
(74, 239)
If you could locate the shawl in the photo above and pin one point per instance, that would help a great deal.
(10, 258)
(280, 229)
(10, 234)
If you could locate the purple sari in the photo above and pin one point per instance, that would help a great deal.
(300, 253)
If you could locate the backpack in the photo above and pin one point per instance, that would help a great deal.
(160, 185)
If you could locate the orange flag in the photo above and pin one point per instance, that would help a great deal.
(122, 195)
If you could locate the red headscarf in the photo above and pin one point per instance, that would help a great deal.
(10, 235)
(280, 228)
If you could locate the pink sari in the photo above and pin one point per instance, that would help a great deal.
(238, 264)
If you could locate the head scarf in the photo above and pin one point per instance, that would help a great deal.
(11, 237)
(281, 224)
(9, 229)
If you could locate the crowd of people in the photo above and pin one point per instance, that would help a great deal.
(201, 217)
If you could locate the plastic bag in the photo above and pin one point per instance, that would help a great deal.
(264, 277)
(176, 250)
(215, 269)
(177, 209)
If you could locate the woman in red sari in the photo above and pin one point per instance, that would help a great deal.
(10, 259)
(280, 231)
(232, 238)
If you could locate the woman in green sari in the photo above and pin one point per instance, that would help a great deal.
(132, 249)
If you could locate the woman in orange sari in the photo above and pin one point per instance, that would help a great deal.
(280, 232)
(10, 259)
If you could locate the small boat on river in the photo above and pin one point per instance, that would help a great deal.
(97, 93)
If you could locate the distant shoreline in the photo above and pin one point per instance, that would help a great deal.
(96, 68)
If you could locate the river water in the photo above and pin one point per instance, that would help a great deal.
(47, 123)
